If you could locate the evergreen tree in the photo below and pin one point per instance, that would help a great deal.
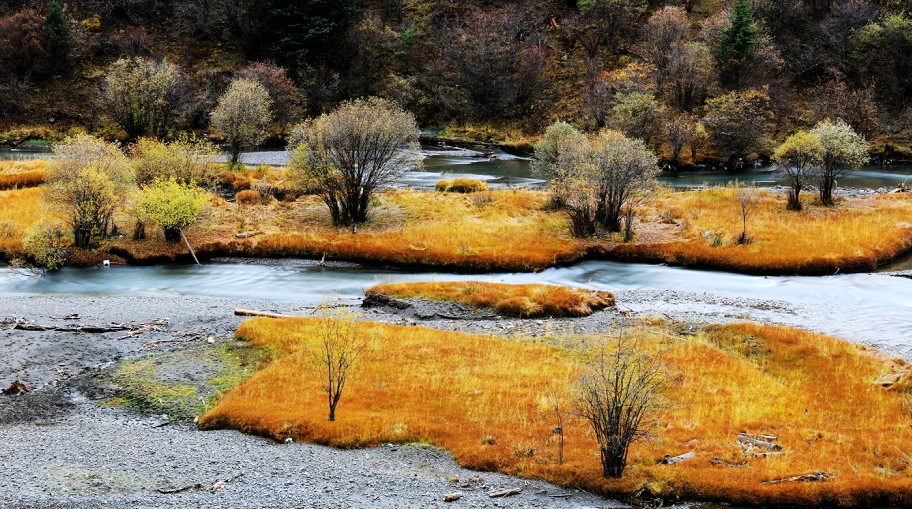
(55, 21)
(739, 38)
(307, 28)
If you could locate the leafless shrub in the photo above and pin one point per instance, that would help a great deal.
(748, 198)
(620, 396)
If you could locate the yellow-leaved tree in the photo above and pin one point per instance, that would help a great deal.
(172, 205)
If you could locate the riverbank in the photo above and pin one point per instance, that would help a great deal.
(518, 230)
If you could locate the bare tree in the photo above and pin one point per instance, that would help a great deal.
(494, 60)
(337, 345)
(353, 151)
(620, 397)
(283, 93)
(748, 198)
(666, 28)
(678, 132)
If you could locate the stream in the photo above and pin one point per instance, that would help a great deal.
(871, 309)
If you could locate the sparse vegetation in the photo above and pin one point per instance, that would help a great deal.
(461, 186)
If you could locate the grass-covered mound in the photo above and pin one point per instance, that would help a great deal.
(856, 235)
(486, 400)
(461, 186)
(524, 301)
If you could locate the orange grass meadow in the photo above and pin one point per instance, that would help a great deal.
(485, 399)
(441, 230)
(855, 236)
(18, 174)
(18, 210)
(529, 301)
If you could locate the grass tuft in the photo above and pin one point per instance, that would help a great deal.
(461, 186)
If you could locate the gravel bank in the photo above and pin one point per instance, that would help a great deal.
(60, 448)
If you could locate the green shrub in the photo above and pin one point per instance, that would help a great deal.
(172, 206)
(44, 244)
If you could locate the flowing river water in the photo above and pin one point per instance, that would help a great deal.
(866, 308)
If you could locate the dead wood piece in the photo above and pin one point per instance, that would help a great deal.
(163, 423)
(16, 387)
(504, 492)
(188, 245)
(768, 438)
(452, 497)
(812, 477)
(760, 443)
(904, 455)
(719, 461)
(136, 332)
(246, 235)
(668, 460)
(246, 312)
(178, 490)
(765, 454)
(561, 495)
(163, 341)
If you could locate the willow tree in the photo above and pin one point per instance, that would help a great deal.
(140, 95)
(798, 162)
(242, 115)
(843, 151)
(86, 181)
(352, 152)
(617, 171)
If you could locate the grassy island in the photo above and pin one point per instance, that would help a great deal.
(489, 401)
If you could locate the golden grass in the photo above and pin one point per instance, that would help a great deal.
(449, 231)
(855, 236)
(460, 186)
(518, 231)
(18, 210)
(526, 301)
(17, 174)
(485, 400)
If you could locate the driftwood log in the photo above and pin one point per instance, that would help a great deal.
(669, 460)
(81, 327)
(812, 477)
(245, 235)
(759, 443)
(504, 492)
(247, 312)
(720, 461)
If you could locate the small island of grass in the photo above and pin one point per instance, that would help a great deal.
(523, 301)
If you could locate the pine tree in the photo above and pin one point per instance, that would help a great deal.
(739, 39)
(55, 21)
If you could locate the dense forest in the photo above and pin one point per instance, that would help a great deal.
(694, 78)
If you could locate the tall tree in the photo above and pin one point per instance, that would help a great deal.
(307, 28)
(737, 43)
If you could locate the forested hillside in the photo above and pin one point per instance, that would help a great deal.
(667, 72)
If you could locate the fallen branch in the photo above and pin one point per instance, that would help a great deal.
(719, 461)
(188, 245)
(163, 423)
(765, 454)
(245, 235)
(245, 312)
(769, 438)
(761, 443)
(812, 477)
(504, 492)
(178, 490)
(668, 460)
